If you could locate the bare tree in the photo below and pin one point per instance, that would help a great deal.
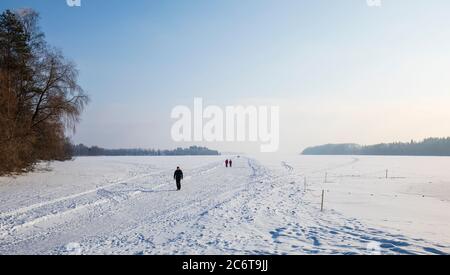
(58, 97)
(40, 97)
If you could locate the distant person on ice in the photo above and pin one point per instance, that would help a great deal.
(231, 163)
(178, 176)
(226, 163)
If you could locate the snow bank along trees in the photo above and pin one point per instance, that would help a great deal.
(40, 99)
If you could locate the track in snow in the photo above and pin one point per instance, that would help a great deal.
(247, 209)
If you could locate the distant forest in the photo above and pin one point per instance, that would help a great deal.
(82, 150)
(427, 147)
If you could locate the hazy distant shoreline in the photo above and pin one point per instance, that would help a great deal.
(95, 151)
(433, 147)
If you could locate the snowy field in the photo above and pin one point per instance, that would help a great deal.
(263, 205)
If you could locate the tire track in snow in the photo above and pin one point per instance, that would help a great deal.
(21, 219)
(253, 211)
(183, 213)
(331, 232)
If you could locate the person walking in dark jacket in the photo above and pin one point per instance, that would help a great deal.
(230, 163)
(178, 176)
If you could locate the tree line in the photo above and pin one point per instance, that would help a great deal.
(82, 150)
(427, 147)
(40, 98)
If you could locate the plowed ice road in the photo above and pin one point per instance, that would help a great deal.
(128, 205)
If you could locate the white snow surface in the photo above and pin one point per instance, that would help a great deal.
(128, 205)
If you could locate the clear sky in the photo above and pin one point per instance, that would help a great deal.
(340, 70)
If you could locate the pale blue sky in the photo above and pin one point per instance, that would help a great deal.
(340, 70)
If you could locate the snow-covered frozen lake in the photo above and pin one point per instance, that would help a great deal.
(263, 205)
